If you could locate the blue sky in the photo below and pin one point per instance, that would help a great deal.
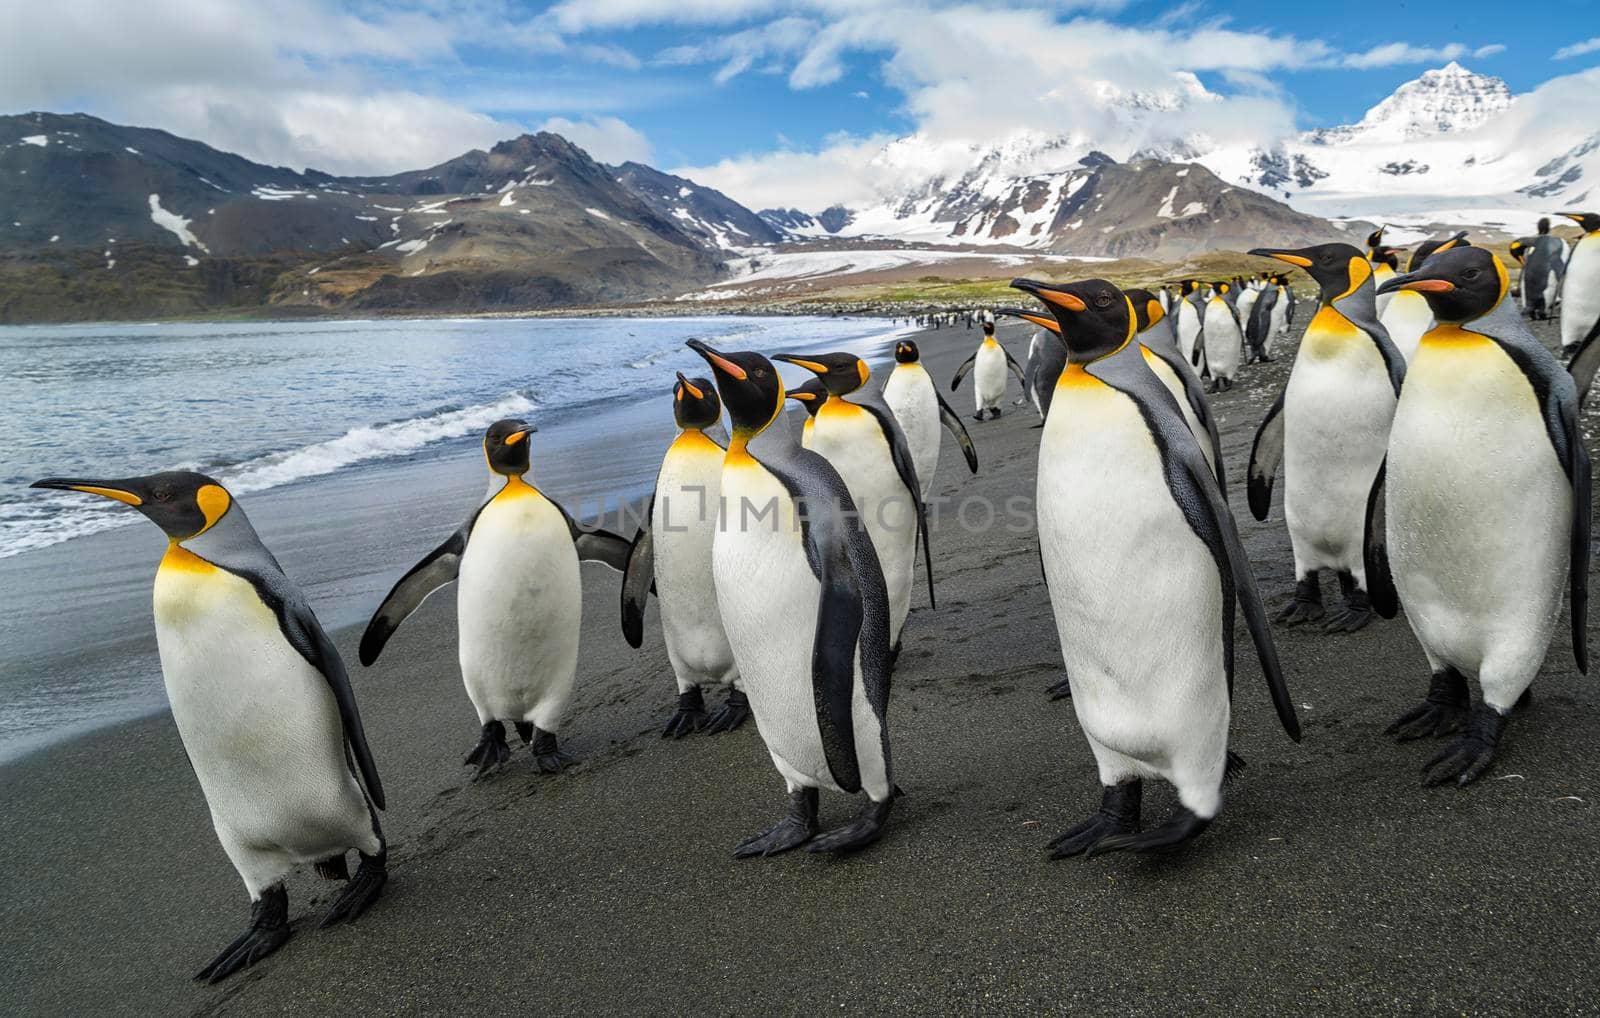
(756, 96)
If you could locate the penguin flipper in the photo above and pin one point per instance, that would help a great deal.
(1016, 369)
(1266, 453)
(598, 545)
(638, 579)
(1584, 362)
(1375, 550)
(436, 569)
(1578, 469)
(961, 372)
(952, 423)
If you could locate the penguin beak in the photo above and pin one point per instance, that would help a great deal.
(1288, 255)
(815, 367)
(1037, 319)
(716, 360)
(121, 491)
(802, 397)
(689, 387)
(1049, 294)
(1418, 283)
(1576, 217)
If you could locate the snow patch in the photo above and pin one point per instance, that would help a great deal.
(509, 200)
(599, 214)
(174, 222)
(36, 139)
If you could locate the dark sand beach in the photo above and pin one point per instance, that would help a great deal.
(1332, 882)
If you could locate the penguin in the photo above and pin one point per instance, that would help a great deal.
(672, 553)
(1249, 293)
(1223, 338)
(1047, 355)
(519, 604)
(1329, 429)
(1144, 566)
(806, 611)
(1486, 508)
(1190, 321)
(1385, 263)
(860, 437)
(263, 706)
(1283, 312)
(988, 364)
(1544, 265)
(1428, 248)
(1259, 325)
(921, 412)
(811, 396)
(1160, 349)
(1580, 286)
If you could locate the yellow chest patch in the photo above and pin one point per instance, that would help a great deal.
(1451, 363)
(694, 443)
(836, 409)
(1329, 335)
(516, 488)
(188, 587)
(1074, 377)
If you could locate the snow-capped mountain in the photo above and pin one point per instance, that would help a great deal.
(1443, 101)
(705, 212)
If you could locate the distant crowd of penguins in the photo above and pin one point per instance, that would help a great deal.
(1430, 454)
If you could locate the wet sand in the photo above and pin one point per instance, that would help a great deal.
(1332, 882)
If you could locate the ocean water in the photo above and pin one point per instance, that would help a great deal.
(354, 446)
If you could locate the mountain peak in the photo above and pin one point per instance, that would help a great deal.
(1443, 100)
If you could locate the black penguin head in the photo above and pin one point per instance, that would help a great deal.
(1590, 221)
(694, 403)
(1460, 284)
(1221, 286)
(1544, 225)
(182, 503)
(842, 373)
(749, 386)
(905, 352)
(1146, 309)
(1095, 317)
(1338, 268)
(1375, 238)
(1187, 287)
(1429, 248)
(988, 328)
(810, 394)
(1518, 250)
(505, 446)
(1386, 256)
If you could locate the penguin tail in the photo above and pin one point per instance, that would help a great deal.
(1231, 770)
(333, 869)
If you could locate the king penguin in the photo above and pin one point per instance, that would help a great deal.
(857, 433)
(519, 604)
(1190, 319)
(262, 704)
(1047, 355)
(1329, 429)
(1406, 315)
(806, 612)
(1258, 327)
(1385, 263)
(1143, 563)
(810, 395)
(988, 365)
(1223, 338)
(914, 399)
(672, 551)
(1487, 507)
(1580, 288)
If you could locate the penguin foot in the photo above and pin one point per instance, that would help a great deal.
(524, 731)
(689, 717)
(1118, 816)
(1307, 603)
(1465, 759)
(994, 411)
(1349, 618)
(548, 754)
(1180, 827)
(491, 752)
(269, 928)
(1443, 712)
(734, 712)
(1060, 690)
(978, 416)
(794, 830)
(361, 892)
(866, 828)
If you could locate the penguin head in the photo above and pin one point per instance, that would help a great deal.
(811, 395)
(905, 352)
(1386, 256)
(988, 328)
(1187, 287)
(182, 503)
(695, 405)
(1338, 268)
(1518, 250)
(505, 446)
(749, 386)
(1221, 287)
(1590, 221)
(1095, 318)
(1146, 309)
(1429, 248)
(842, 373)
(1460, 284)
(1375, 238)
(1544, 225)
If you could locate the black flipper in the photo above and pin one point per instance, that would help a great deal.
(1584, 362)
(638, 577)
(961, 372)
(604, 547)
(1375, 551)
(952, 423)
(436, 569)
(1578, 471)
(1266, 455)
(1016, 369)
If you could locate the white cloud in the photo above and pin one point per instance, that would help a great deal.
(1493, 49)
(811, 180)
(608, 139)
(1578, 49)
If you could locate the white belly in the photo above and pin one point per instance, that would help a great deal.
(683, 527)
(259, 723)
(989, 376)
(1188, 329)
(1337, 412)
(1580, 293)
(1479, 514)
(1174, 384)
(520, 605)
(909, 393)
(1224, 344)
(1280, 318)
(1407, 318)
(1136, 594)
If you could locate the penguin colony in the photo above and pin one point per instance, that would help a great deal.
(783, 566)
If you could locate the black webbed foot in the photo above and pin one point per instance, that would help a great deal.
(866, 828)
(1180, 827)
(735, 711)
(1307, 603)
(269, 928)
(690, 716)
(1118, 815)
(1465, 759)
(1060, 690)
(362, 890)
(548, 754)
(1444, 711)
(491, 752)
(524, 731)
(794, 830)
(1356, 611)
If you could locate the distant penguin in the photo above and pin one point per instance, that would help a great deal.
(858, 433)
(810, 395)
(1190, 320)
(1283, 313)
(1160, 347)
(1487, 508)
(263, 707)
(1047, 355)
(1223, 339)
(1385, 263)
(807, 614)
(1249, 293)
(1259, 326)
(922, 413)
(1329, 430)
(1144, 565)
(1428, 248)
(519, 604)
(672, 552)
(1580, 288)
(988, 366)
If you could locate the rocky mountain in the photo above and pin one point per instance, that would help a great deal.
(1443, 101)
(716, 219)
